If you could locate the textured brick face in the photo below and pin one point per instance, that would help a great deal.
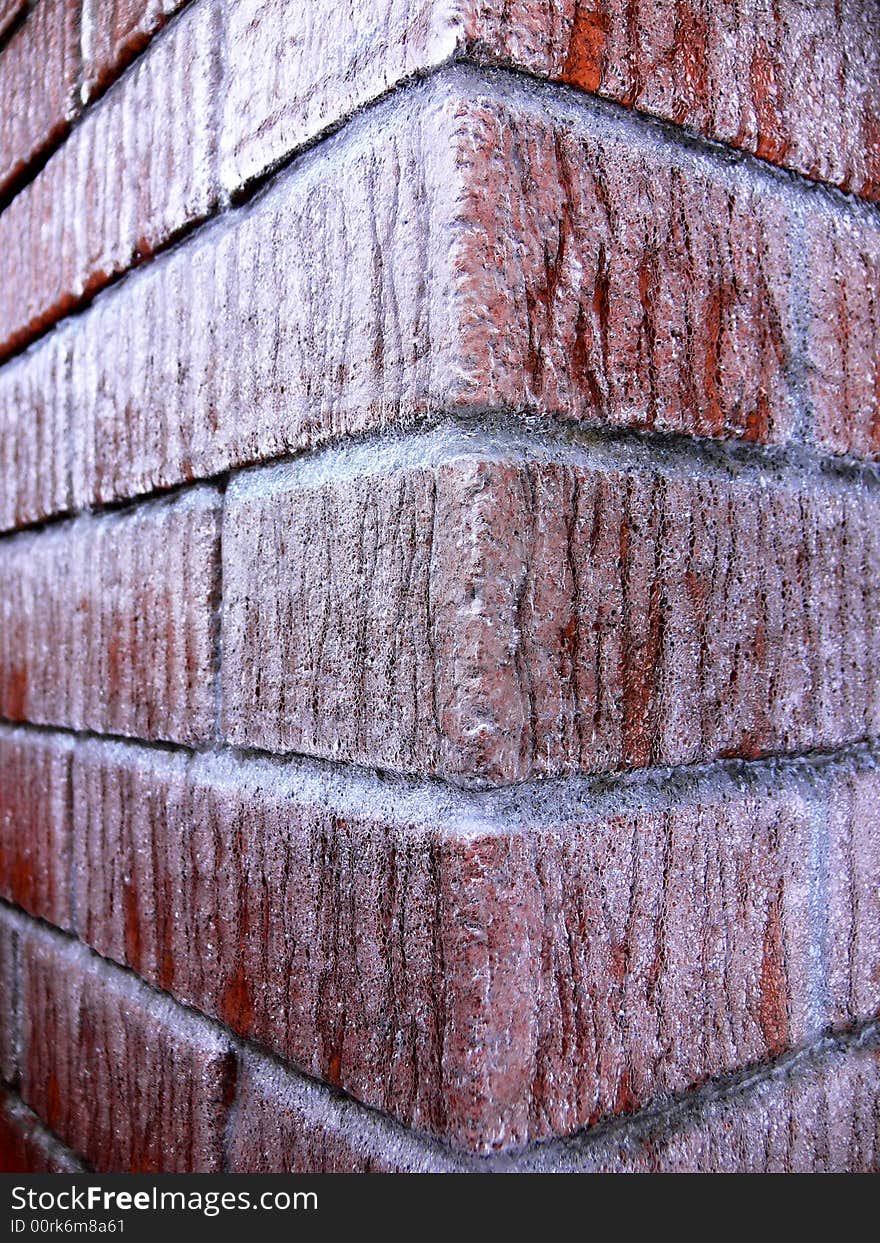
(118, 1073)
(39, 68)
(28, 1148)
(107, 623)
(486, 978)
(843, 339)
(115, 33)
(614, 278)
(819, 1117)
(469, 766)
(609, 277)
(797, 84)
(10, 931)
(492, 619)
(35, 823)
(164, 180)
(318, 65)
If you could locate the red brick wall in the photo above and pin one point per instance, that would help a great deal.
(439, 551)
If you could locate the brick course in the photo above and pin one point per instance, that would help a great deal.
(449, 959)
(493, 616)
(35, 823)
(26, 1147)
(39, 74)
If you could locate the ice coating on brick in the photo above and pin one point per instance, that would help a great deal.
(35, 823)
(73, 228)
(107, 622)
(498, 610)
(447, 957)
(119, 1073)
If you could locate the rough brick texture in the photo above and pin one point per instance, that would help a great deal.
(11, 925)
(620, 279)
(10, 11)
(487, 971)
(439, 687)
(121, 1075)
(107, 623)
(35, 823)
(492, 617)
(39, 72)
(796, 84)
(127, 185)
(114, 33)
(819, 1116)
(26, 1147)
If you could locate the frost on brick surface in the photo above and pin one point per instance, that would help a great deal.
(72, 229)
(35, 823)
(489, 967)
(494, 612)
(108, 621)
(140, 1086)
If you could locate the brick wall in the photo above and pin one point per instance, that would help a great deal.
(439, 585)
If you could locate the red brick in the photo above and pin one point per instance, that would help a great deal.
(490, 611)
(76, 226)
(11, 925)
(487, 970)
(641, 311)
(121, 1074)
(608, 276)
(843, 331)
(35, 433)
(317, 65)
(39, 70)
(10, 10)
(853, 917)
(819, 1116)
(798, 85)
(35, 823)
(107, 623)
(115, 33)
(283, 1124)
(26, 1147)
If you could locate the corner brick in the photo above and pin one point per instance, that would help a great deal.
(493, 616)
(26, 1147)
(122, 1075)
(35, 822)
(620, 280)
(797, 85)
(818, 1114)
(163, 181)
(39, 70)
(107, 623)
(488, 970)
(318, 67)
